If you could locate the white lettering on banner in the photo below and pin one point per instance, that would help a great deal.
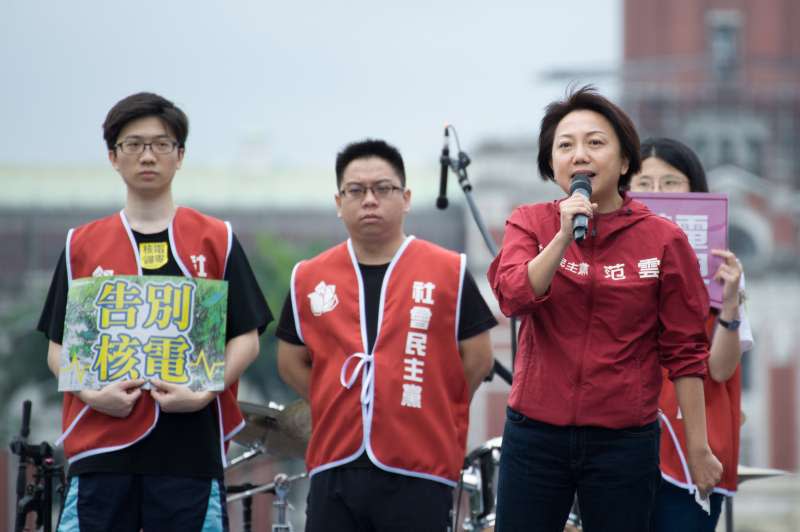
(615, 272)
(412, 396)
(423, 292)
(696, 228)
(649, 268)
(420, 318)
(416, 343)
(413, 369)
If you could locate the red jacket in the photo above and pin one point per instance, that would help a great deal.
(107, 245)
(624, 301)
(723, 420)
(406, 403)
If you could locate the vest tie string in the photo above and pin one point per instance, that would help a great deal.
(363, 366)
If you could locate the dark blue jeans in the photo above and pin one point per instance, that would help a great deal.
(613, 471)
(677, 511)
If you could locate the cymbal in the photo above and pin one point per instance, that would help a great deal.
(752, 473)
(284, 431)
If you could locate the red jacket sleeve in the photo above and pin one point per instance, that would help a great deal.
(682, 311)
(508, 273)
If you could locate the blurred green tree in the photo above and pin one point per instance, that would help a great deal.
(272, 259)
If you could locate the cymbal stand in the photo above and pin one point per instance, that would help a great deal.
(251, 452)
(280, 504)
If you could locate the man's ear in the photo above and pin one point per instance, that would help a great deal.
(112, 158)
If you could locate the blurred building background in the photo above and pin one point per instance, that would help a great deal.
(721, 75)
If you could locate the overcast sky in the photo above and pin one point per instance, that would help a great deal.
(294, 79)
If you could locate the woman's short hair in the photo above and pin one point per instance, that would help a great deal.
(588, 99)
(676, 153)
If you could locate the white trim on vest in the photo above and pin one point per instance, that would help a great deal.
(688, 485)
(68, 257)
(228, 250)
(67, 432)
(132, 240)
(295, 311)
(101, 450)
(461, 272)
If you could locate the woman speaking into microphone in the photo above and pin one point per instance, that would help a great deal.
(601, 314)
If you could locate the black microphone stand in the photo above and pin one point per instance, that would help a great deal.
(459, 166)
(36, 496)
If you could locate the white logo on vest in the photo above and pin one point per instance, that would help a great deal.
(100, 272)
(199, 263)
(323, 299)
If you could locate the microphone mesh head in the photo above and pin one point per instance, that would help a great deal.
(580, 182)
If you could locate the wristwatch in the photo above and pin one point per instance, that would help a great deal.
(732, 325)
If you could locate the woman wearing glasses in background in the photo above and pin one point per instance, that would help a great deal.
(671, 166)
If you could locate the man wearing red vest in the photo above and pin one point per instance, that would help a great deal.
(152, 459)
(387, 337)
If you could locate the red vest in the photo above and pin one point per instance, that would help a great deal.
(406, 404)
(109, 244)
(723, 420)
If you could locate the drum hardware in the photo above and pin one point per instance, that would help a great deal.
(253, 450)
(278, 487)
(281, 505)
(36, 496)
(479, 481)
(281, 431)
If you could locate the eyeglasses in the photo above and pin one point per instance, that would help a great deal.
(668, 183)
(136, 147)
(357, 191)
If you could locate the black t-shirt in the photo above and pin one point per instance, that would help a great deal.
(474, 318)
(181, 444)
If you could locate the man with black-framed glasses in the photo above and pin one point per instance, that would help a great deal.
(152, 459)
(387, 337)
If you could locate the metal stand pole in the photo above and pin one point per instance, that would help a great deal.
(280, 505)
(729, 514)
(459, 166)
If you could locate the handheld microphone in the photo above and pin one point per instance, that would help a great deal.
(580, 223)
(444, 161)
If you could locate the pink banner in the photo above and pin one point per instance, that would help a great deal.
(704, 219)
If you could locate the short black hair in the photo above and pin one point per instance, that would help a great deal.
(370, 148)
(141, 105)
(676, 153)
(587, 98)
